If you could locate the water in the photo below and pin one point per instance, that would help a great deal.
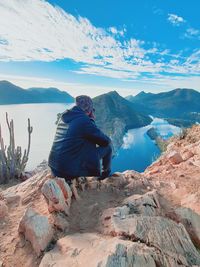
(43, 118)
(138, 150)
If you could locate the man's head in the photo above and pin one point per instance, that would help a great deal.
(85, 103)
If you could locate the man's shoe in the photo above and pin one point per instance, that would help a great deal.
(104, 175)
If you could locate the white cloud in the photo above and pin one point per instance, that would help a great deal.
(36, 30)
(74, 89)
(192, 33)
(128, 140)
(113, 30)
(175, 19)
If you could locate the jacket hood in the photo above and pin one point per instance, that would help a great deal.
(72, 114)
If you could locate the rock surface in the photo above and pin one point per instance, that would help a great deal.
(179, 183)
(57, 194)
(36, 229)
(175, 157)
(92, 250)
(129, 220)
(3, 209)
(191, 220)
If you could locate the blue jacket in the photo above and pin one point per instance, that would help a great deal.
(74, 152)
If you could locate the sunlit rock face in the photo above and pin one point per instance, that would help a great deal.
(129, 219)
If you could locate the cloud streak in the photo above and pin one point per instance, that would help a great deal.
(37, 31)
(175, 19)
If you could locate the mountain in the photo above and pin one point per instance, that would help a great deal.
(12, 94)
(178, 103)
(115, 115)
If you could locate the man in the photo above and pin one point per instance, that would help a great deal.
(74, 152)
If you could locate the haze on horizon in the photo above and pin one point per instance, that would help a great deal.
(93, 47)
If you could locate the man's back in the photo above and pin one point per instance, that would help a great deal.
(74, 151)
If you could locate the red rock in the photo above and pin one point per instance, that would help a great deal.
(175, 157)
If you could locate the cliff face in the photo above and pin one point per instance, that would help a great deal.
(176, 172)
(130, 219)
(115, 115)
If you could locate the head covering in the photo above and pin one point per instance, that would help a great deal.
(85, 103)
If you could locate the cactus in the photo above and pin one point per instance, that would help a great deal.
(12, 160)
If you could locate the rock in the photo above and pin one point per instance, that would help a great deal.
(175, 157)
(3, 209)
(121, 212)
(131, 174)
(164, 234)
(191, 221)
(12, 198)
(118, 181)
(36, 229)
(61, 221)
(90, 250)
(67, 193)
(57, 194)
(93, 185)
(146, 204)
(187, 155)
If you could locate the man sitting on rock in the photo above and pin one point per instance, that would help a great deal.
(74, 152)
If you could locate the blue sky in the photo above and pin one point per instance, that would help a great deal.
(92, 47)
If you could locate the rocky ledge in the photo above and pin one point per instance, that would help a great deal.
(130, 219)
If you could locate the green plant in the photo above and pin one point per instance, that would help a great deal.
(12, 160)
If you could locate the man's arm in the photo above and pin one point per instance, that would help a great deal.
(93, 134)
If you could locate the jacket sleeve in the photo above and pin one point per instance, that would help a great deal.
(93, 134)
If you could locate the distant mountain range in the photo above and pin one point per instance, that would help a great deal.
(115, 115)
(180, 106)
(12, 94)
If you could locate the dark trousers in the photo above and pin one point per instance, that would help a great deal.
(105, 154)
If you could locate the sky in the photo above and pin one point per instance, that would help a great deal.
(92, 47)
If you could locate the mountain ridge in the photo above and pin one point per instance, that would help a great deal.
(115, 115)
(179, 103)
(13, 94)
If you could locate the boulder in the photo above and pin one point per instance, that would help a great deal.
(159, 232)
(146, 204)
(90, 250)
(57, 194)
(60, 221)
(67, 193)
(3, 209)
(191, 221)
(175, 157)
(36, 229)
(121, 212)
